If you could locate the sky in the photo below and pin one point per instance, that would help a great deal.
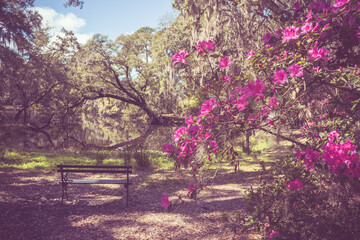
(111, 18)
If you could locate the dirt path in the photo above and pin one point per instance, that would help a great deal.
(30, 207)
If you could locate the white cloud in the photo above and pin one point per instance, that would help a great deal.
(56, 21)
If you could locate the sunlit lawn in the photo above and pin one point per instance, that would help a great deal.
(264, 151)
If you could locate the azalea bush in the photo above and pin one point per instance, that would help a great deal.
(305, 77)
(307, 204)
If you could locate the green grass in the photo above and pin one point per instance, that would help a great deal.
(264, 150)
(47, 160)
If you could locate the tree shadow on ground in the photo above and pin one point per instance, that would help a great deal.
(31, 209)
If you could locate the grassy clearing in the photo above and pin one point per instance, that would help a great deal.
(265, 150)
(47, 160)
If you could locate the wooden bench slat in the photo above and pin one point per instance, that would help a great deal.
(94, 171)
(97, 181)
(91, 166)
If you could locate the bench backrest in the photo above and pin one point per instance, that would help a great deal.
(94, 169)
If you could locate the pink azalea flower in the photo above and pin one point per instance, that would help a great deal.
(274, 234)
(294, 185)
(280, 77)
(273, 102)
(254, 88)
(267, 37)
(307, 27)
(316, 69)
(168, 148)
(204, 47)
(224, 62)
(207, 106)
(191, 189)
(241, 104)
(309, 16)
(250, 54)
(226, 79)
(311, 157)
(180, 57)
(215, 150)
(178, 133)
(207, 135)
(189, 120)
(212, 144)
(165, 201)
(340, 3)
(296, 71)
(316, 53)
(271, 123)
(332, 135)
(290, 33)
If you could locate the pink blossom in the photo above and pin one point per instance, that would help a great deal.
(290, 33)
(241, 103)
(307, 27)
(316, 53)
(226, 79)
(340, 3)
(296, 6)
(274, 234)
(165, 201)
(267, 37)
(191, 189)
(254, 88)
(207, 135)
(332, 135)
(180, 57)
(194, 130)
(296, 71)
(212, 144)
(273, 102)
(178, 133)
(215, 150)
(224, 62)
(294, 185)
(204, 47)
(189, 120)
(280, 77)
(309, 16)
(207, 106)
(271, 123)
(250, 54)
(341, 158)
(168, 148)
(311, 157)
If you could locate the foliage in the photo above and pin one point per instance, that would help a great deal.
(304, 77)
(327, 207)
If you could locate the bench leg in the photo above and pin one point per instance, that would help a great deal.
(64, 192)
(127, 194)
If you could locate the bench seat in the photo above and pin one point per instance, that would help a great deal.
(96, 181)
(64, 170)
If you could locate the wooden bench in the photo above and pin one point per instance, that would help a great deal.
(65, 180)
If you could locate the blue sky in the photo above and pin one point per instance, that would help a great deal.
(107, 17)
